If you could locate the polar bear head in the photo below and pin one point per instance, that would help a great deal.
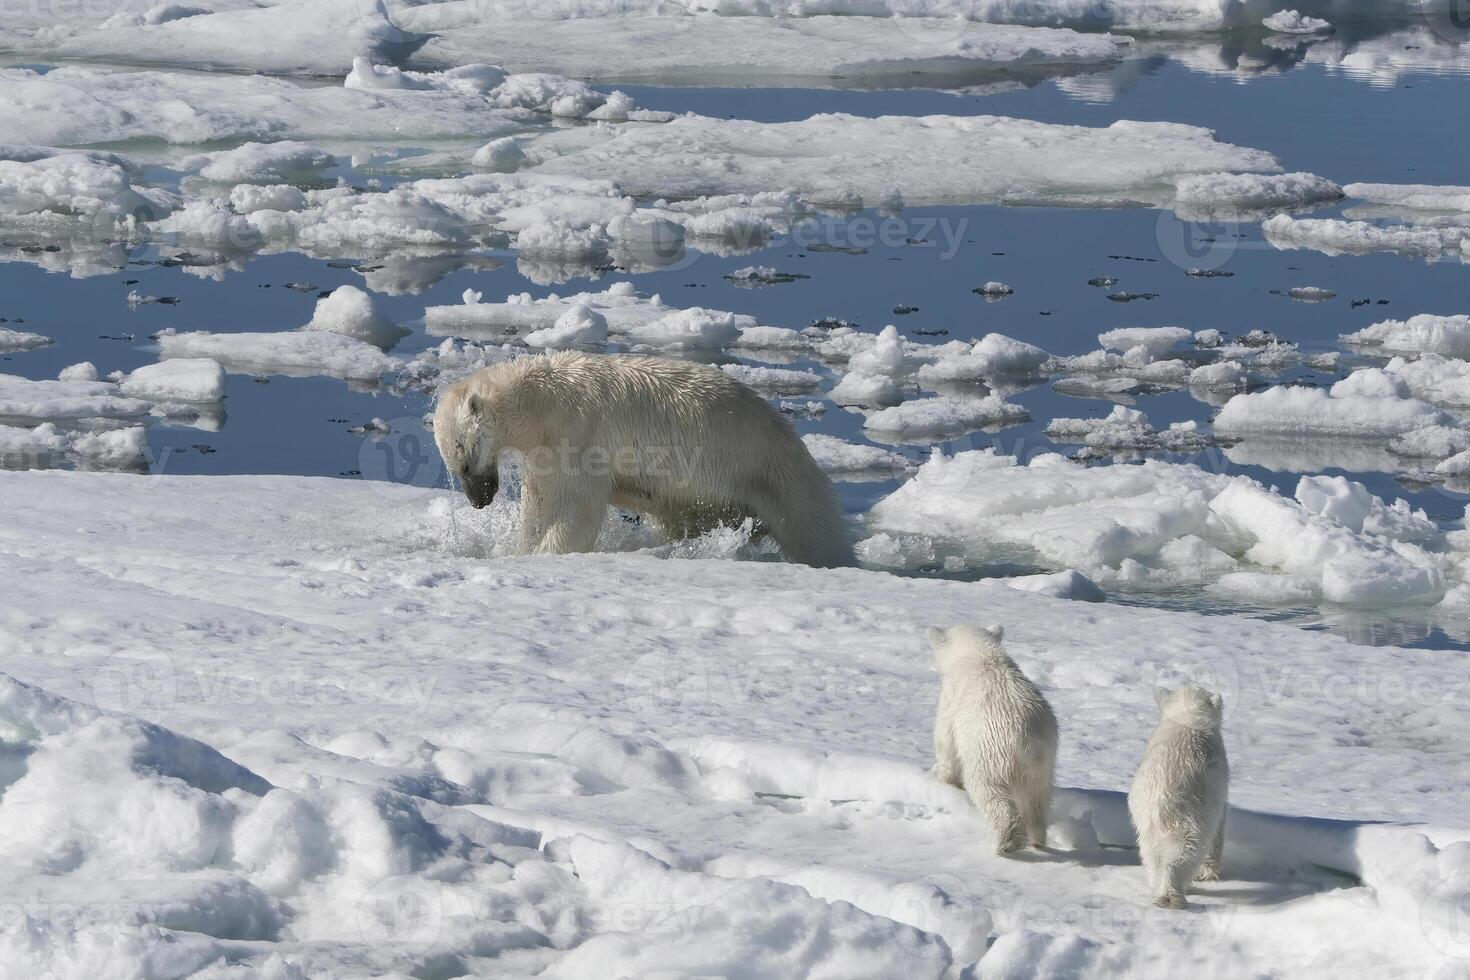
(1192, 707)
(467, 442)
(963, 643)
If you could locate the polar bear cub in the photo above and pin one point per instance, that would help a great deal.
(1179, 794)
(995, 736)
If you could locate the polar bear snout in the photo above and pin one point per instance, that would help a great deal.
(480, 488)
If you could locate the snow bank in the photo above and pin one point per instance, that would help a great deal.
(668, 804)
(290, 353)
(1160, 525)
(352, 313)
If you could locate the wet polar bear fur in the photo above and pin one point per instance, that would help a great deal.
(1179, 795)
(995, 736)
(682, 442)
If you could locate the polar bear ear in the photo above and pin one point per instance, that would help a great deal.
(1218, 701)
(474, 405)
(995, 631)
(1161, 695)
(937, 636)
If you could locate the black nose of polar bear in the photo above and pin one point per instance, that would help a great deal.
(480, 489)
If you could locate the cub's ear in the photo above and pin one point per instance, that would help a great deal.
(1161, 694)
(475, 405)
(995, 631)
(937, 636)
(1218, 700)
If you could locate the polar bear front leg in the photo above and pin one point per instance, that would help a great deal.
(573, 509)
(533, 517)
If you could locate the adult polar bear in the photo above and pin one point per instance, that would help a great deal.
(681, 442)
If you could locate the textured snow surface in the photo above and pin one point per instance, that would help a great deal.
(329, 737)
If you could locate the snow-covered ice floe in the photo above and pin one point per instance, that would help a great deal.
(295, 353)
(14, 341)
(1160, 525)
(855, 463)
(840, 160)
(1424, 333)
(327, 739)
(1127, 432)
(926, 420)
(74, 105)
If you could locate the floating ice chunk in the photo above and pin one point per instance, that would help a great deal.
(1157, 341)
(994, 290)
(837, 159)
(1268, 588)
(1457, 465)
(84, 371)
(1334, 236)
(691, 329)
(580, 326)
(887, 551)
(1293, 22)
(1160, 524)
(1431, 442)
(886, 356)
(1127, 430)
(61, 191)
(873, 390)
(1442, 380)
(112, 448)
(1448, 336)
(185, 379)
(1066, 584)
(1222, 375)
(14, 341)
(62, 401)
(1298, 411)
(774, 381)
(927, 419)
(1310, 294)
(261, 163)
(773, 339)
(351, 312)
(1353, 568)
(31, 445)
(502, 156)
(852, 462)
(1426, 197)
(993, 356)
(249, 198)
(298, 353)
(1208, 339)
(777, 46)
(1246, 193)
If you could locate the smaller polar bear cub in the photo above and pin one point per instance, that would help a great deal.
(995, 736)
(1179, 794)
